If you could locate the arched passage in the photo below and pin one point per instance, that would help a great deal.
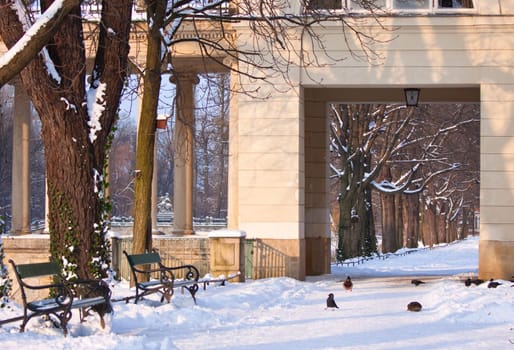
(317, 212)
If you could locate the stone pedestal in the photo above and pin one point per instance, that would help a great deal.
(227, 249)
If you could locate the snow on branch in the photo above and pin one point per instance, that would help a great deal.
(34, 38)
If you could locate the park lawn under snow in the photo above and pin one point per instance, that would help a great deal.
(283, 313)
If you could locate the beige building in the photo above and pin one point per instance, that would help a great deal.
(454, 51)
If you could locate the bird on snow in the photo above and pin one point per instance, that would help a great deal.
(477, 281)
(414, 306)
(493, 284)
(331, 303)
(348, 284)
(416, 282)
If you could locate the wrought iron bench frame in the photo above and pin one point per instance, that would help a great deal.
(150, 265)
(84, 295)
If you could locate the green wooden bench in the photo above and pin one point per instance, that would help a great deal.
(152, 276)
(84, 295)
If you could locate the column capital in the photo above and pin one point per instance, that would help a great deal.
(178, 77)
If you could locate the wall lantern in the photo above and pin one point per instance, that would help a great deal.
(162, 121)
(411, 97)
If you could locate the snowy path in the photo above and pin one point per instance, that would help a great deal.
(286, 314)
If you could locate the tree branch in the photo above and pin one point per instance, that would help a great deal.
(34, 39)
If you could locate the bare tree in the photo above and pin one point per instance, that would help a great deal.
(394, 150)
(451, 200)
(121, 168)
(77, 117)
(277, 32)
(211, 142)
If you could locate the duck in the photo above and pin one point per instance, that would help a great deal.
(414, 306)
(417, 282)
(477, 281)
(493, 284)
(348, 284)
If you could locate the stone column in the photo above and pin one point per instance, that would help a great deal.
(183, 183)
(233, 152)
(21, 163)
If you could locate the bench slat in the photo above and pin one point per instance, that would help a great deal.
(78, 303)
(43, 305)
(180, 283)
(50, 304)
(142, 259)
(152, 284)
(37, 269)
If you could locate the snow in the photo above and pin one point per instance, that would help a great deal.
(284, 313)
(95, 108)
(227, 233)
(32, 30)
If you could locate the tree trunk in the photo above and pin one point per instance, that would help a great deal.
(429, 226)
(369, 238)
(345, 233)
(389, 242)
(441, 227)
(142, 236)
(76, 141)
(398, 208)
(411, 220)
(465, 224)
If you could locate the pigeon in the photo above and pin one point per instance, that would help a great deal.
(331, 303)
(468, 282)
(348, 284)
(493, 284)
(414, 306)
(416, 282)
(477, 281)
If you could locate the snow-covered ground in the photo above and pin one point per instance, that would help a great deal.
(283, 313)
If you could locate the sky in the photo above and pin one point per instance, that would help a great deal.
(286, 314)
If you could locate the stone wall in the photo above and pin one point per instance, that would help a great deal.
(27, 249)
(226, 246)
(174, 251)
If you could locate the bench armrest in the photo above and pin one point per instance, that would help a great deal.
(61, 298)
(190, 272)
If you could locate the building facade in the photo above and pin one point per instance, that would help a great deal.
(454, 51)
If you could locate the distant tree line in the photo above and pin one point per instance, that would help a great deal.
(405, 175)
